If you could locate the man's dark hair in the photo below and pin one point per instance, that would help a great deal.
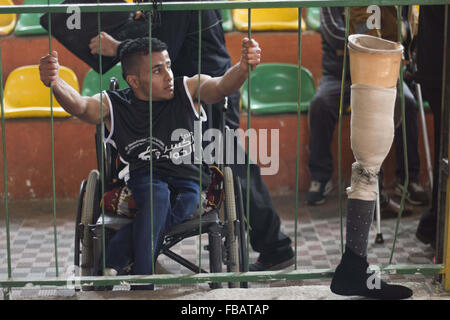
(129, 50)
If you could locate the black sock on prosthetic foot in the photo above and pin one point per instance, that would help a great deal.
(359, 220)
(352, 278)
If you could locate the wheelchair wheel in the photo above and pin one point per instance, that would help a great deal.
(241, 235)
(232, 243)
(87, 218)
(76, 256)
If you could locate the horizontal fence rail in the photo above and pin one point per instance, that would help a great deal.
(10, 282)
(306, 274)
(206, 5)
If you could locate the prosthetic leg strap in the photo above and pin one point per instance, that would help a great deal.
(372, 133)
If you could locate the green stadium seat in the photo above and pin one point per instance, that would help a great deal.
(313, 18)
(274, 89)
(92, 80)
(28, 23)
(227, 21)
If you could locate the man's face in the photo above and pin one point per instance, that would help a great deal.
(162, 77)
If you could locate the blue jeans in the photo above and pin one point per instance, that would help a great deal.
(134, 241)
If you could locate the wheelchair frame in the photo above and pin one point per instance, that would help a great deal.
(226, 239)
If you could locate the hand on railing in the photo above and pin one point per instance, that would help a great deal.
(251, 54)
(49, 68)
(109, 45)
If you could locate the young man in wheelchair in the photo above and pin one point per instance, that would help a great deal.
(126, 116)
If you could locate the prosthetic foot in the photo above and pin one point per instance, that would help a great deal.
(352, 278)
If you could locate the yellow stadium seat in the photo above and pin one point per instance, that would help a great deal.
(7, 20)
(267, 19)
(25, 96)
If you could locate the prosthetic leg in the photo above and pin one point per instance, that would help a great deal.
(374, 67)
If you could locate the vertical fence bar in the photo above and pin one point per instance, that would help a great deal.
(150, 105)
(55, 234)
(297, 163)
(248, 144)
(405, 149)
(442, 255)
(446, 252)
(6, 291)
(102, 136)
(200, 138)
(341, 109)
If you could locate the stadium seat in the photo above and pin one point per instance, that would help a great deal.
(313, 18)
(92, 80)
(28, 23)
(267, 19)
(7, 20)
(274, 89)
(25, 96)
(227, 21)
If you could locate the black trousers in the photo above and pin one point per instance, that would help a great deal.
(433, 96)
(265, 234)
(323, 115)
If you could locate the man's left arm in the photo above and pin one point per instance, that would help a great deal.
(212, 90)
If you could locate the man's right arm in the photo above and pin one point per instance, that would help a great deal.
(172, 31)
(85, 108)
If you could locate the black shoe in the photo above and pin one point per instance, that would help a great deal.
(352, 278)
(426, 230)
(415, 193)
(317, 192)
(273, 261)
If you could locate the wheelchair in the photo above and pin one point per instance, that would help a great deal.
(222, 219)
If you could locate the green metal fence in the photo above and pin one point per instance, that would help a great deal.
(9, 282)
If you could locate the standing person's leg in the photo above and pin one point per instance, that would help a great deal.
(415, 194)
(426, 230)
(322, 117)
(265, 234)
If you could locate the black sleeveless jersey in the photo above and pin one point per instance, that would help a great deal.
(174, 131)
